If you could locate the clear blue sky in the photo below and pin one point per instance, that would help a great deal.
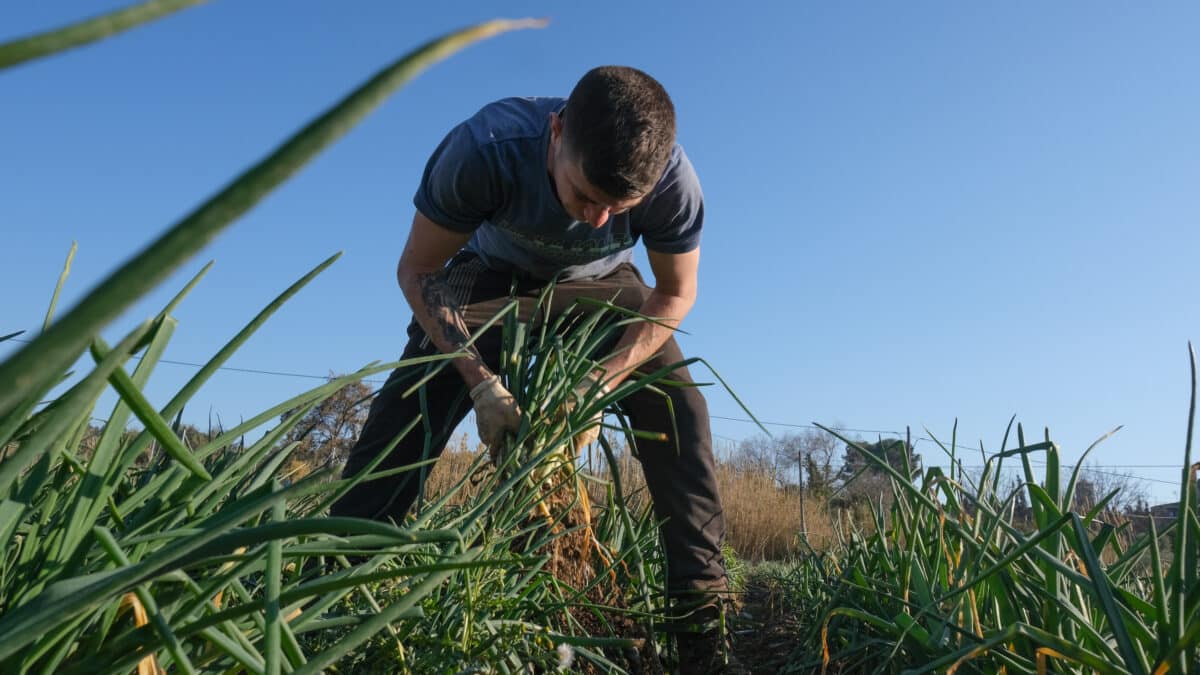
(916, 212)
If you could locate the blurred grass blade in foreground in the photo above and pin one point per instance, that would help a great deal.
(31, 370)
(90, 30)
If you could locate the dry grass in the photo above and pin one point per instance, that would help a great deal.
(762, 520)
(453, 465)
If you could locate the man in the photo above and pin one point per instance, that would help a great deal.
(532, 190)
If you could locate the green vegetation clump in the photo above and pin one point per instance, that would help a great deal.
(165, 548)
(957, 574)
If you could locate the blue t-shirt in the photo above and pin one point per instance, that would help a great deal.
(489, 177)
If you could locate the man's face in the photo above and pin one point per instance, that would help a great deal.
(581, 200)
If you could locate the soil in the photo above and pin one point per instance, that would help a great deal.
(764, 633)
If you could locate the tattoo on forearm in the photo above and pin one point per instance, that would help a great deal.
(444, 310)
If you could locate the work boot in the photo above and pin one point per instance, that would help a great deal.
(707, 654)
(703, 644)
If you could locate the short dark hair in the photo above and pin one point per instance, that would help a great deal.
(621, 124)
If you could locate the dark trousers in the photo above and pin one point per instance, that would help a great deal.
(681, 481)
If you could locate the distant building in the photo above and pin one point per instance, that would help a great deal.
(1163, 516)
(1165, 511)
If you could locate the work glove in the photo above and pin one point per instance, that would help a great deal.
(577, 397)
(496, 412)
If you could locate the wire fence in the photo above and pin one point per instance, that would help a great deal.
(1101, 469)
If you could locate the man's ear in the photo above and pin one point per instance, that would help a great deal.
(556, 126)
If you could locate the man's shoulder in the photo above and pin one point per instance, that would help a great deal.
(679, 177)
(512, 119)
(670, 218)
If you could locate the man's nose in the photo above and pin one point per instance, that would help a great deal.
(597, 216)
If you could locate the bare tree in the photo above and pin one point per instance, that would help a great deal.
(1094, 485)
(812, 453)
(760, 455)
(804, 458)
(326, 434)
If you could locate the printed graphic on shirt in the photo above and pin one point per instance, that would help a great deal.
(556, 249)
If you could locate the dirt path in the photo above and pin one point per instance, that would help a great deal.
(764, 635)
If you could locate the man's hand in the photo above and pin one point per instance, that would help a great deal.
(496, 412)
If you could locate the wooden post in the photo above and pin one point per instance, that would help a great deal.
(803, 518)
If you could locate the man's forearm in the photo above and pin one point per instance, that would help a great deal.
(644, 339)
(437, 311)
